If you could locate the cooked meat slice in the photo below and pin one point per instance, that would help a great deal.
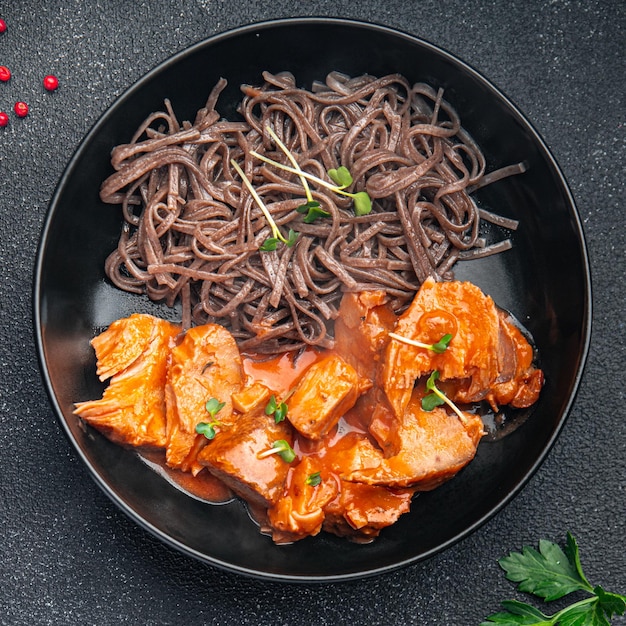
(362, 330)
(520, 382)
(250, 397)
(233, 456)
(432, 447)
(205, 364)
(383, 423)
(133, 353)
(456, 308)
(327, 389)
(361, 511)
(125, 340)
(299, 512)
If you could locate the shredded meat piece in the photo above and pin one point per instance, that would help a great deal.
(473, 359)
(361, 442)
(205, 364)
(233, 456)
(432, 447)
(132, 352)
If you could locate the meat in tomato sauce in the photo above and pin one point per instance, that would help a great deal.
(324, 440)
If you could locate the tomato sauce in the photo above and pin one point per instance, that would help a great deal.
(203, 486)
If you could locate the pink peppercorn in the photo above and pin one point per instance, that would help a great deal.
(5, 73)
(21, 109)
(50, 82)
(4, 119)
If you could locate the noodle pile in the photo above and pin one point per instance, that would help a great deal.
(192, 230)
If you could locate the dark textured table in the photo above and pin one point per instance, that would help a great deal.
(67, 554)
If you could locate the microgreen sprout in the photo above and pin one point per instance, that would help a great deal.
(282, 448)
(362, 202)
(438, 347)
(277, 409)
(213, 407)
(313, 480)
(312, 210)
(437, 398)
(271, 242)
(341, 176)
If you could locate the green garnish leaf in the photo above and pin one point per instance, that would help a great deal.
(341, 176)
(551, 573)
(305, 208)
(269, 245)
(362, 203)
(442, 345)
(432, 379)
(207, 429)
(436, 397)
(313, 480)
(313, 211)
(517, 613)
(614, 603)
(430, 401)
(285, 451)
(213, 406)
(277, 409)
(282, 448)
(271, 406)
(439, 347)
(547, 573)
(291, 239)
(280, 413)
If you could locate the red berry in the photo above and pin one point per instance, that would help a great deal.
(21, 109)
(4, 119)
(5, 73)
(3, 25)
(50, 82)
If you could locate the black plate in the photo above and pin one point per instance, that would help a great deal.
(544, 281)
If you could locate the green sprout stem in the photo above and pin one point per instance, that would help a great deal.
(213, 407)
(362, 202)
(439, 346)
(280, 447)
(292, 159)
(303, 174)
(431, 386)
(313, 480)
(277, 235)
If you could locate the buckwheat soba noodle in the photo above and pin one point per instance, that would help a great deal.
(193, 229)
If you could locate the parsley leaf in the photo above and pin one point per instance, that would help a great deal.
(552, 573)
(547, 573)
